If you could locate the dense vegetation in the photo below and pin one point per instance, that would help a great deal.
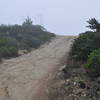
(21, 37)
(85, 44)
(86, 48)
(93, 63)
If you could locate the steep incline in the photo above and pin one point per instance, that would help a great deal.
(22, 77)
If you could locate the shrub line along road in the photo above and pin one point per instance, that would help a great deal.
(21, 78)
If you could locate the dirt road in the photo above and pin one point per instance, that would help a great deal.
(21, 78)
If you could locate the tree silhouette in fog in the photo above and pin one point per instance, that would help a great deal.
(94, 24)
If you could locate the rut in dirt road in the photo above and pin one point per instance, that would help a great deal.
(21, 78)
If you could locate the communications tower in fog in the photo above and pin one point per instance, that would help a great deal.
(38, 19)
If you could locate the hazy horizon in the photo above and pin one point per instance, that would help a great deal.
(64, 17)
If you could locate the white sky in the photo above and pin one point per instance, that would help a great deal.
(59, 16)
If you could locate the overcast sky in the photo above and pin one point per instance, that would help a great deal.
(59, 16)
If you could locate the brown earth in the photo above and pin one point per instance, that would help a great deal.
(26, 77)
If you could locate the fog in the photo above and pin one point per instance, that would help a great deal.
(64, 17)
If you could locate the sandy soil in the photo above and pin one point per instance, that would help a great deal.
(21, 78)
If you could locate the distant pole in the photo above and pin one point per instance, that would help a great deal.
(35, 20)
(40, 17)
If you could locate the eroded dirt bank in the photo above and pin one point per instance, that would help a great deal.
(23, 78)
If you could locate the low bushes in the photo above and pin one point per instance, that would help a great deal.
(6, 52)
(8, 48)
(93, 63)
(22, 37)
(84, 45)
(86, 49)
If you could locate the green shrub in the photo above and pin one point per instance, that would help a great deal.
(5, 41)
(28, 43)
(84, 45)
(93, 63)
(7, 52)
